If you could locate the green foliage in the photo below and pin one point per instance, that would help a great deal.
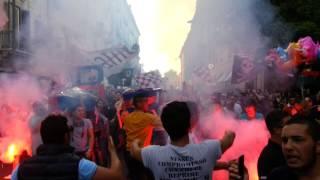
(293, 19)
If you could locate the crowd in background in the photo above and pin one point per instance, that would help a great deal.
(115, 115)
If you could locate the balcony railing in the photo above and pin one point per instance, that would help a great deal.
(6, 40)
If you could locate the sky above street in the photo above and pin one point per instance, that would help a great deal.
(164, 26)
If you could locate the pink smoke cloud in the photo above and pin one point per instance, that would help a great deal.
(17, 94)
(251, 138)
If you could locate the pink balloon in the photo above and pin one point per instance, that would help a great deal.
(309, 48)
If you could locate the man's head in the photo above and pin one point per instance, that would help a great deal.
(54, 130)
(301, 142)
(80, 112)
(250, 108)
(127, 97)
(274, 122)
(176, 119)
(152, 96)
(100, 104)
(140, 100)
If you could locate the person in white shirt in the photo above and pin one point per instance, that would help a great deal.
(180, 159)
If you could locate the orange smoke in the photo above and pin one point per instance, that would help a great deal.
(15, 135)
(11, 153)
(17, 96)
(13, 150)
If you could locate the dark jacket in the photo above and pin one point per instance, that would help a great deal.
(270, 158)
(283, 173)
(52, 162)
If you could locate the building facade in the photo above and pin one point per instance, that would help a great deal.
(14, 36)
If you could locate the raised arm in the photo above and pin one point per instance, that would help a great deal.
(227, 140)
(89, 153)
(136, 150)
(115, 172)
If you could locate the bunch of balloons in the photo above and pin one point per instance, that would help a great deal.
(305, 51)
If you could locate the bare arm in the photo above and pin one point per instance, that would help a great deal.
(115, 172)
(234, 173)
(227, 140)
(220, 165)
(91, 143)
(157, 122)
(136, 150)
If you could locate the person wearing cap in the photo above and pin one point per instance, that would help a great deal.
(139, 125)
(152, 100)
(127, 105)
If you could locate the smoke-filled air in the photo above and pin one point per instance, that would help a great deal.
(17, 93)
(251, 137)
(97, 62)
(164, 26)
(64, 38)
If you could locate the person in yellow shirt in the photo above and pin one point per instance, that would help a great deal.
(139, 125)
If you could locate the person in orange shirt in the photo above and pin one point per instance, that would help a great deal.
(127, 105)
(139, 125)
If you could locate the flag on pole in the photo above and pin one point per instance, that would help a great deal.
(203, 73)
(150, 79)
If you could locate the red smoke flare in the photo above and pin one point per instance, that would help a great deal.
(251, 137)
(16, 137)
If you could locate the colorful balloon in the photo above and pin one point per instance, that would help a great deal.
(297, 53)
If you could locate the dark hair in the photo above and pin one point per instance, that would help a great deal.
(274, 120)
(175, 119)
(76, 107)
(313, 125)
(139, 95)
(53, 129)
(128, 95)
(250, 102)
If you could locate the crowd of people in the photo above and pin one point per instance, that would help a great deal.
(143, 134)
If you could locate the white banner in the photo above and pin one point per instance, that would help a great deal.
(113, 60)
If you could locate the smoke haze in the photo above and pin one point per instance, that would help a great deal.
(164, 26)
(221, 29)
(63, 33)
(251, 137)
(69, 30)
(17, 93)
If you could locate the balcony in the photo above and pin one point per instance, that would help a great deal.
(14, 38)
(6, 40)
